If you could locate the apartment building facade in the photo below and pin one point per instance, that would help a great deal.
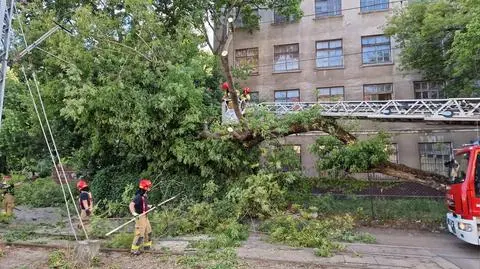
(338, 51)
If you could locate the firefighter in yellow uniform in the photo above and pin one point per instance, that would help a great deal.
(8, 203)
(86, 203)
(143, 230)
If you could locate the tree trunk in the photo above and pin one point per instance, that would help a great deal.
(432, 180)
(231, 89)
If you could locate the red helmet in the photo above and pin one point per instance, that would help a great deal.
(145, 184)
(81, 184)
(225, 86)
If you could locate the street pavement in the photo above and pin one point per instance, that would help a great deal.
(394, 249)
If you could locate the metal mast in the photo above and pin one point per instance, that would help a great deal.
(6, 11)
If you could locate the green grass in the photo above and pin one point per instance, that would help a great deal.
(406, 210)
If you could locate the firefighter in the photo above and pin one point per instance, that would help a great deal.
(8, 200)
(8, 196)
(85, 201)
(143, 230)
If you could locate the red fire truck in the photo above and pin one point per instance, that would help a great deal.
(463, 194)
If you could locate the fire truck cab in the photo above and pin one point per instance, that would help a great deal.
(463, 194)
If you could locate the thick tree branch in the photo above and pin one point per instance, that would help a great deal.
(432, 180)
(249, 139)
(231, 89)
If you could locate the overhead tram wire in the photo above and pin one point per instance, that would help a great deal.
(54, 144)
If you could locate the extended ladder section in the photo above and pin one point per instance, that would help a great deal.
(458, 109)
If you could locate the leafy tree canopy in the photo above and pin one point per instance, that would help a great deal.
(440, 39)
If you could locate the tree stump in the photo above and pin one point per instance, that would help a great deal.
(85, 251)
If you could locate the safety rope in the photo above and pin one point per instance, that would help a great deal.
(54, 144)
(50, 151)
(58, 155)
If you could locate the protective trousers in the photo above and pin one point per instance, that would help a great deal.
(8, 203)
(143, 234)
(85, 219)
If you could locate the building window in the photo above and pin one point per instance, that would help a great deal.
(287, 96)
(377, 92)
(247, 58)
(330, 94)
(376, 49)
(279, 18)
(433, 157)
(428, 90)
(373, 5)
(254, 97)
(325, 8)
(286, 57)
(329, 53)
(393, 157)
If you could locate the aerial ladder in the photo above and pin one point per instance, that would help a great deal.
(450, 110)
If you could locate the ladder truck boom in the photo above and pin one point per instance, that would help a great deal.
(455, 109)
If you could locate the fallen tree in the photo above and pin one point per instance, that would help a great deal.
(245, 132)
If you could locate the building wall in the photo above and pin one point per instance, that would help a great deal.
(349, 27)
(406, 136)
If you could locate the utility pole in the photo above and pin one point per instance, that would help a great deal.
(6, 11)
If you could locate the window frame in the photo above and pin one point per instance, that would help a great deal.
(285, 63)
(367, 8)
(330, 96)
(394, 154)
(376, 51)
(428, 89)
(329, 13)
(328, 50)
(252, 98)
(255, 70)
(440, 165)
(377, 93)
(279, 19)
(286, 95)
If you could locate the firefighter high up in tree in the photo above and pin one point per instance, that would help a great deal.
(227, 105)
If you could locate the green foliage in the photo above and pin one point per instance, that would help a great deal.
(17, 235)
(440, 38)
(43, 192)
(6, 219)
(349, 185)
(335, 157)
(430, 212)
(261, 195)
(222, 259)
(120, 240)
(218, 252)
(299, 232)
(58, 259)
(99, 227)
